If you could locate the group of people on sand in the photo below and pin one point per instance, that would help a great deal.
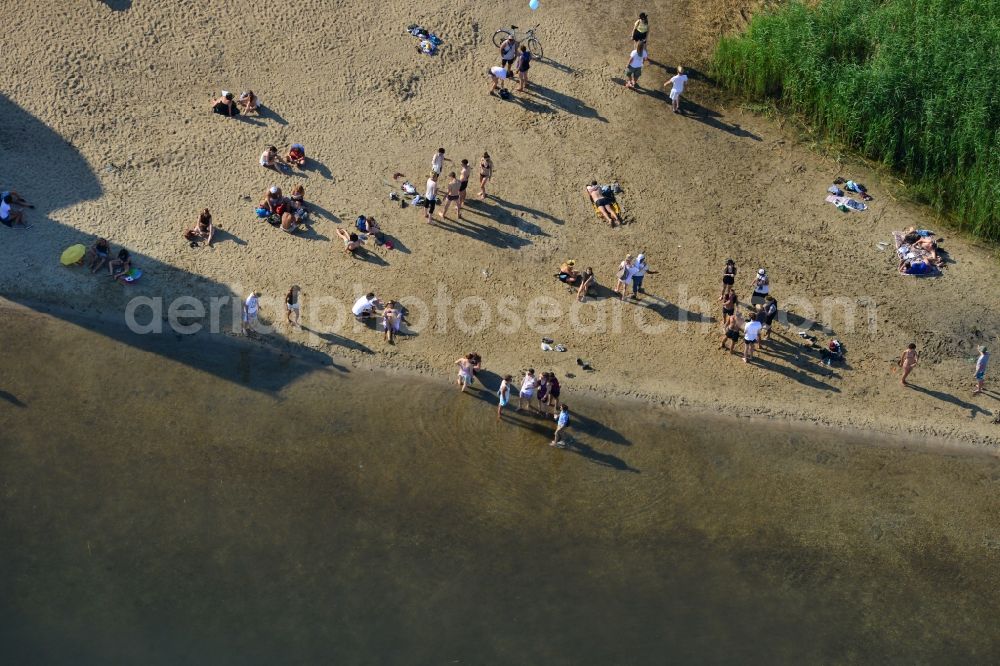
(98, 256)
(639, 58)
(456, 189)
(754, 329)
(909, 359)
(512, 55)
(538, 393)
(271, 159)
(287, 212)
(228, 105)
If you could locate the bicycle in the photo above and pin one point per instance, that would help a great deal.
(534, 46)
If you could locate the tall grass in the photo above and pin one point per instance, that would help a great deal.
(914, 84)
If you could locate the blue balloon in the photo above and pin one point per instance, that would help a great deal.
(533, 4)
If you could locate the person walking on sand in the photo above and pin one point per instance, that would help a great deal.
(251, 308)
(769, 312)
(508, 52)
(751, 335)
(453, 194)
(431, 195)
(562, 423)
(292, 306)
(437, 162)
(626, 270)
(523, 65)
(636, 59)
(485, 174)
(908, 361)
(640, 30)
(732, 327)
(463, 182)
(464, 372)
(527, 391)
(639, 272)
(728, 278)
(980, 372)
(677, 83)
(504, 394)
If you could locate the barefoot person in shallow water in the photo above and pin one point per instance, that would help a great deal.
(464, 372)
(504, 394)
(907, 361)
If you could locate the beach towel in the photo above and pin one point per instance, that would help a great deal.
(906, 252)
(846, 203)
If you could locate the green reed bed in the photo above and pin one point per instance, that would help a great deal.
(914, 84)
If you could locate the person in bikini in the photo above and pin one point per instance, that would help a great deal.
(908, 361)
(391, 318)
(98, 254)
(202, 230)
(351, 242)
(729, 303)
(463, 181)
(728, 278)
(453, 194)
(603, 203)
(485, 174)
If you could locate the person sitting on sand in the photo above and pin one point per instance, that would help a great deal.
(369, 226)
(391, 320)
(273, 201)
(98, 254)
(602, 203)
(296, 155)
(587, 284)
(249, 102)
(290, 223)
(568, 274)
(497, 77)
(269, 159)
(351, 241)
(9, 217)
(225, 106)
(120, 266)
(930, 248)
(202, 230)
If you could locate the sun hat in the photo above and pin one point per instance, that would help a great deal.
(761, 271)
(274, 190)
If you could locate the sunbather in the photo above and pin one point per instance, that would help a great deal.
(296, 155)
(249, 102)
(351, 241)
(202, 230)
(602, 203)
(914, 267)
(98, 254)
(225, 105)
(568, 274)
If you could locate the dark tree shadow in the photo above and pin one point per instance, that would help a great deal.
(118, 5)
(483, 233)
(973, 408)
(32, 154)
(565, 102)
(11, 398)
(268, 112)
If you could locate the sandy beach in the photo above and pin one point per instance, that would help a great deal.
(108, 132)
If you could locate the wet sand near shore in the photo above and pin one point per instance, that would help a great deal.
(156, 512)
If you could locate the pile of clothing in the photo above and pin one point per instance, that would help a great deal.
(844, 201)
(429, 42)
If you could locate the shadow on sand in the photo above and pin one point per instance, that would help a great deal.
(32, 153)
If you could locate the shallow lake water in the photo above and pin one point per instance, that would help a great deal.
(188, 500)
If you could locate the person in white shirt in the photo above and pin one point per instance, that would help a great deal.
(365, 306)
(636, 60)
(437, 162)
(527, 391)
(430, 194)
(639, 271)
(751, 332)
(251, 307)
(497, 76)
(678, 81)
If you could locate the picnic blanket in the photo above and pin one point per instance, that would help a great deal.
(906, 252)
(846, 203)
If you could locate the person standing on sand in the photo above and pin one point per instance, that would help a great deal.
(732, 326)
(626, 270)
(640, 30)
(908, 361)
(251, 308)
(452, 194)
(431, 195)
(770, 311)
(523, 65)
(562, 423)
(751, 334)
(463, 181)
(292, 306)
(729, 303)
(639, 272)
(527, 391)
(464, 372)
(508, 52)
(761, 287)
(728, 278)
(504, 394)
(437, 162)
(980, 373)
(485, 174)
(636, 59)
(677, 83)
(497, 77)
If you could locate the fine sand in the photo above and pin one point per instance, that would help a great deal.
(107, 129)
